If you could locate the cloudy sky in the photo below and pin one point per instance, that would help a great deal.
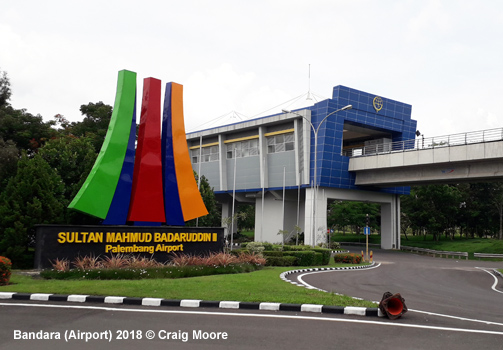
(241, 59)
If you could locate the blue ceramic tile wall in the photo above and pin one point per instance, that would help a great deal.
(394, 117)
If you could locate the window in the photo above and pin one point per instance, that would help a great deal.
(239, 149)
(208, 154)
(280, 143)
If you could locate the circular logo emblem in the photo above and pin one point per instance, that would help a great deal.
(377, 103)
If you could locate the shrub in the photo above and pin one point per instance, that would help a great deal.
(348, 258)
(87, 263)
(268, 253)
(281, 261)
(186, 260)
(332, 245)
(318, 258)
(148, 273)
(304, 258)
(254, 259)
(131, 267)
(220, 259)
(115, 261)
(326, 254)
(61, 265)
(5, 270)
(297, 248)
(255, 247)
(143, 262)
(240, 251)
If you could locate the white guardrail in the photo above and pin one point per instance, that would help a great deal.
(425, 143)
(434, 253)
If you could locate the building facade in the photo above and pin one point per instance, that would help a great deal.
(290, 165)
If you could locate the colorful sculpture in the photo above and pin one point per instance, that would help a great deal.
(153, 184)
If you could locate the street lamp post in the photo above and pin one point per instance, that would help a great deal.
(315, 169)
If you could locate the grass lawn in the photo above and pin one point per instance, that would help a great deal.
(470, 245)
(260, 286)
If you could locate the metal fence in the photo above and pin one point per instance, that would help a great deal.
(426, 143)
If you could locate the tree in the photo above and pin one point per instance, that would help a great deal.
(481, 216)
(5, 91)
(28, 132)
(72, 158)
(433, 208)
(497, 201)
(246, 221)
(345, 213)
(33, 196)
(9, 156)
(213, 219)
(95, 123)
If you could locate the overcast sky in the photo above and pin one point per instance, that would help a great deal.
(243, 58)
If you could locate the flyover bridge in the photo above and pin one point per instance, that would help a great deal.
(472, 156)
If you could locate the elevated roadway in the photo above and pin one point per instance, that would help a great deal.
(475, 156)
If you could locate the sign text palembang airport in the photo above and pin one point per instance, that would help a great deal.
(69, 242)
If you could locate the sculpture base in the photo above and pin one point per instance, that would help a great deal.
(159, 242)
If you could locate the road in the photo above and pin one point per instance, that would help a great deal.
(461, 288)
(451, 288)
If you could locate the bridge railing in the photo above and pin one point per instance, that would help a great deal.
(426, 143)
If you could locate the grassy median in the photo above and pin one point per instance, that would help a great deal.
(259, 286)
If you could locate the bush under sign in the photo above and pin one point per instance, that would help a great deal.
(158, 242)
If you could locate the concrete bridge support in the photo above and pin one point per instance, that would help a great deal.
(273, 214)
(276, 215)
(390, 213)
(390, 223)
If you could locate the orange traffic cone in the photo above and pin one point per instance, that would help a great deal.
(392, 305)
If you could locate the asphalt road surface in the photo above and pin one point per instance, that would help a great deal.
(460, 288)
(452, 305)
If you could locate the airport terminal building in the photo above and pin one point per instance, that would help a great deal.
(291, 165)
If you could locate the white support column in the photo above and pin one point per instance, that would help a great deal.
(222, 163)
(308, 217)
(315, 232)
(273, 215)
(390, 224)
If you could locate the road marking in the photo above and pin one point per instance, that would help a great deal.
(294, 317)
(495, 280)
(307, 285)
(456, 317)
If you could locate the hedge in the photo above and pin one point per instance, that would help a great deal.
(281, 261)
(348, 258)
(326, 254)
(303, 255)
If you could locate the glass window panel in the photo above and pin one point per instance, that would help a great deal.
(289, 146)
